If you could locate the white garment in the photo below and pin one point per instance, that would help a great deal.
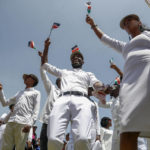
(134, 91)
(27, 105)
(114, 104)
(77, 109)
(2, 128)
(142, 144)
(52, 95)
(72, 80)
(30, 134)
(106, 138)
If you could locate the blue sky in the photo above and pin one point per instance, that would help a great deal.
(22, 21)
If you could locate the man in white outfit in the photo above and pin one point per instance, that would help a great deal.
(26, 109)
(106, 133)
(72, 105)
(52, 94)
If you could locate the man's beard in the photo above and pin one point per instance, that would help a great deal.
(77, 65)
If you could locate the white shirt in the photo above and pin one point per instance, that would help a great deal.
(72, 80)
(113, 104)
(27, 105)
(106, 138)
(52, 93)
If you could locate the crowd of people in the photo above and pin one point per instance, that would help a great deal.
(70, 101)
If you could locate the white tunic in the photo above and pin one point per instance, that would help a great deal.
(134, 92)
(114, 105)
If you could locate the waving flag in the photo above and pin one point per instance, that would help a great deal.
(117, 80)
(88, 4)
(75, 48)
(31, 44)
(55, 25)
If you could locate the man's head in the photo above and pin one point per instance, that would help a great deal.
(58, 82)
(77, 59)
(30, 80)
(106, 122)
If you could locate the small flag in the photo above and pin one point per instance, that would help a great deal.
(31, 44)
(111, 61)
(88, 4)
(75, 48)
(117, 80)
(55, 25)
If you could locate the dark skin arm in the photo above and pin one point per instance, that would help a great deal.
(115, 67)
(44, 55)
(97, 31)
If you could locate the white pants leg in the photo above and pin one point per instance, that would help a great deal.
(13, 135)
(81, 122)
(115, 139)
(58, 122)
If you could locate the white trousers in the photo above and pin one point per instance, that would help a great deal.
(76, 109)
(115, 139)
(13, 135)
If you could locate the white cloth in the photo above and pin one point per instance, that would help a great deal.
(2, 128)
(72, 80)
(27, 105)
(30, 134)
(77, 109)
(114, 105)
(52, 95)
(142, 144)
(106, 138)
(134, 91)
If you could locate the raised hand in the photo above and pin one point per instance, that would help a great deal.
(89, 20)
(47, 42)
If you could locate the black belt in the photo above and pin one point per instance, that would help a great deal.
(76, 93)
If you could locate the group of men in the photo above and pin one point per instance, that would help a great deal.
(69, 102)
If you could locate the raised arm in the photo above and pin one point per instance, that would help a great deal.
(113, 43)
(46, 81)
(45, 52)
(3, 100)
(97, 31)
(115, 67)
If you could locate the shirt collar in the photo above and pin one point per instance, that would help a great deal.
(29, 89)
(77, 69)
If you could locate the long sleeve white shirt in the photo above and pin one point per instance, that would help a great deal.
(113, 104)
(52, 95)
(27, 105)
(72, 80)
